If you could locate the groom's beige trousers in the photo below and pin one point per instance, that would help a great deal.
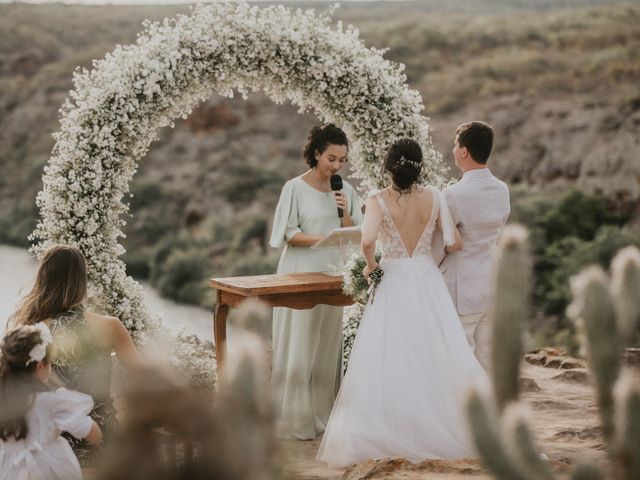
(476, 327)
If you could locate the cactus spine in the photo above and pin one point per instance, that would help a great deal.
(522, 446)
(230, 436)
(627, 426)
(587, 471)
(594, 314)
(625, 286)
(512, 284)
(244, 398)
(607, 313)
(489, 443)
(520, 460)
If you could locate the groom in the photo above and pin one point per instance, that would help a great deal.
(479, 204)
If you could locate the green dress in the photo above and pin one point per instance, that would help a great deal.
(307, 344)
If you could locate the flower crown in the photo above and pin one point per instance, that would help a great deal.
(413, 163)
(37, 353)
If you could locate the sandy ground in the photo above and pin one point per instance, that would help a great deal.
(564, 418)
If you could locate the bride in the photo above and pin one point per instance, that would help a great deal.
(402, 395)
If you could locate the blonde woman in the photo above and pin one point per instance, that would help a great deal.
(83, 340)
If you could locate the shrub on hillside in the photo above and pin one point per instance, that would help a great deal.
(16, 226)
(575, 214)
(183, 275)
(217, 230)
(570, 255)
(145, 193)
(138, 263)
(567, 233)
(163, 251)
(242, 183)
(256, 264)
(579, 214)
(254, 228)
(150, 227)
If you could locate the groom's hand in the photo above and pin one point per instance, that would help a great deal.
(437, 247)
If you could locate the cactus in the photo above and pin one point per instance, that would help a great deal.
(627, 426)
(488, 441)
(586, 471)
(512, 281)
(594, 314)
(522, 446)
(625, 285)
(607, 318)
(244, 396)
(231, 438)
(520, 460)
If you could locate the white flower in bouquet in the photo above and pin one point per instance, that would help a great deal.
(350, 324)
(354, 283)
(357, 287)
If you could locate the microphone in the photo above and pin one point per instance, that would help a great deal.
(336, 185)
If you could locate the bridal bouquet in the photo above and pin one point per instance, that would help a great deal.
(355, 284)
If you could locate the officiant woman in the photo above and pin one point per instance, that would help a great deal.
(307, 344)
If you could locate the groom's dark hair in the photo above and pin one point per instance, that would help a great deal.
(477, 138)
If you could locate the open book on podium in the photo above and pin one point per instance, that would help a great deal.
(340, 237)
(345, 238)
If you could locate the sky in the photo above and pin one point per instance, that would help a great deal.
(158, 2)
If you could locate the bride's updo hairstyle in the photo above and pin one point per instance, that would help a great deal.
(404, 162)
(320, 138)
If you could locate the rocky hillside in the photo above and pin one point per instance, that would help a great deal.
(557, 79)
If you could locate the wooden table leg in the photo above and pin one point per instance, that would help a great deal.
(220, 331)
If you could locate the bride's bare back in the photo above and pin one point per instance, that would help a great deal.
(410, 212)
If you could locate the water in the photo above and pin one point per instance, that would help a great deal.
(17, 268)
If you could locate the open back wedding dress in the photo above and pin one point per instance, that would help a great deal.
(410, 367)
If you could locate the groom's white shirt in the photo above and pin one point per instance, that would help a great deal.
(480, 206)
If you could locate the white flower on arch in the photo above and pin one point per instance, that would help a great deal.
(116, 108)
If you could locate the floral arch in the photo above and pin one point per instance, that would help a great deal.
(116, 108)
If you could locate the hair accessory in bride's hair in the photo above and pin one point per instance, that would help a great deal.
(405, 161)
(38, 352)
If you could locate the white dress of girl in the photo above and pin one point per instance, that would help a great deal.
(404, 389)
(44, 454)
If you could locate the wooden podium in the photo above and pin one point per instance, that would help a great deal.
(293, 290)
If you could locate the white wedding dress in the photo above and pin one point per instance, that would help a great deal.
(404, 389)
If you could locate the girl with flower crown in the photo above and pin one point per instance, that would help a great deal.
(84, 340)
(32, 416)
